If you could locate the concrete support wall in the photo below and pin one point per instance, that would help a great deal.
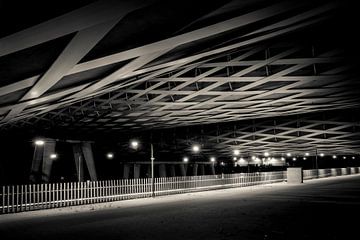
(172, 170)
(195, 169)
(201, 169)
(47, 161)
(212, 169)
(36, 164)
(148, 170)
(79, 161)
(42, 163)
(83, 156)
(136, 170)
(182, 169)
(294, 175)
(126, 171)
(89, 159)
(162, 170)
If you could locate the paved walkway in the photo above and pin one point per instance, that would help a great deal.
(318, 209)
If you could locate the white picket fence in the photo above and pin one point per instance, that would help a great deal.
(21, 198)
(329, 172)
(53, 195)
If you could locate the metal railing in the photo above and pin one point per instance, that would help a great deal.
(21, 198)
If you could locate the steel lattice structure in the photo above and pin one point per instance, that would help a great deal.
(228, 63)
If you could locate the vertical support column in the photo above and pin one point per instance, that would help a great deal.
(2, 174)
(78, 157)
(47, 161)
(162, 170)
(148, 170)
(36, 164)
(89, 159)
(126, 171)
(201, 169)
(182, 169)
(172, 170)
(136, 170)
(212, 169)
(195, 169)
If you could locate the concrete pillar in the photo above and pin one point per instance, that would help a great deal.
(162, 170)
(212, 169)
(294, 175)
(2, 173)
(126, 171)
(172, 170)
(195, 169)
(79, 161)
(47, 161)
(36, 164)
(89, 159)
(182, 169)
(148, 170)
(136, 170)
(201, 169)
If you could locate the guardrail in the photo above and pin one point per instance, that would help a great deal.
(21, 198)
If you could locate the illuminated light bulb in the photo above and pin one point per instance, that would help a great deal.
(196, 148)
(39, 142)
(236, 152)
(134, 144)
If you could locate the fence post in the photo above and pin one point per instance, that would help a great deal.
(17, 198)
(26, 198)
(3, 199)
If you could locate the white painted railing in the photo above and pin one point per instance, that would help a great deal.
(21, 198)
(53, 195)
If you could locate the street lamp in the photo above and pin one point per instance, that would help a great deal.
(135, 144)
(152, 171)
(39, 142)
(196, 148)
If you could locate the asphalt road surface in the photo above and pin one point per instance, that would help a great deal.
(317, 209)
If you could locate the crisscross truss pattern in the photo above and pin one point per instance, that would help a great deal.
(228, 63)
(336, 132)
(256, 83)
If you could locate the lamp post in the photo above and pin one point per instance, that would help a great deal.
(152, 171)
(135, 144)
(79, 170)
(316, 163)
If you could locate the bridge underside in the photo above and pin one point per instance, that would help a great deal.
(255, 76)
